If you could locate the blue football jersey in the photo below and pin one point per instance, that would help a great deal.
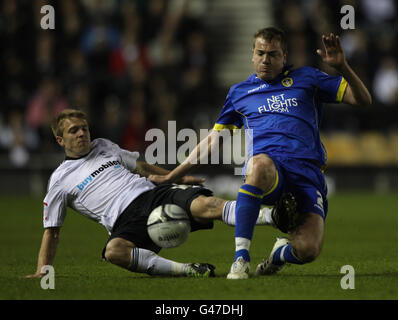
(283, 115)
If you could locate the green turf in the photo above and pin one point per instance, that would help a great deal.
(361, 231)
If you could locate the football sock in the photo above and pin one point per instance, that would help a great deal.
(146, 261)
(285, 254)
(266, 218)
(247, 209)
(228, 215)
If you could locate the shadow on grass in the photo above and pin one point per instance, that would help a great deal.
(318, 275)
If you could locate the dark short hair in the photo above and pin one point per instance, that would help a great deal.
(270, 33)
(57, 123)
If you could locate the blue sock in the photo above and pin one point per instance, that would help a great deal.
(286, 256)
(248, 205)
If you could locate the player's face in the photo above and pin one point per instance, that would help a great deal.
(268, 58)
(76, 137)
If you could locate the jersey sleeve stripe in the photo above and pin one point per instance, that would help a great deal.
(219, 126)
(341, 90)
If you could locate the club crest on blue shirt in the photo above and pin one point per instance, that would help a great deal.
(287, 82)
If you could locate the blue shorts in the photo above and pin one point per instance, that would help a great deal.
(304, 180)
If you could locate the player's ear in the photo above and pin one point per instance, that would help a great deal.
(60, 141)
(284, 58)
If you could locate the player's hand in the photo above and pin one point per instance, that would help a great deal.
(192, 180)
(333, 53)
(159, 179)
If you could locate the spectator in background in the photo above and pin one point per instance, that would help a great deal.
(80, 95)
(42, 107)
(130, 49)
(153, 13)
(385, 84)
(129, 62)
(137, 122)
(77, 70)
(356, 44)
(45, 54)
(196, 65)
(101, 8)
(101, 48)
(196, 86)
(15, 80)
(98, 41)
(72, 23)
(114, 47)
(163, 101)
(113, 120)
(380, 11)
(18, 139)
(36, 6)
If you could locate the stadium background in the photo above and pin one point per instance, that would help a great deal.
(134, 65)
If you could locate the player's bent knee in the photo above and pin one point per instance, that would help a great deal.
(116, 251)
(110, 255)
(261, 171)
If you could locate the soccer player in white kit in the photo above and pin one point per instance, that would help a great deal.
(107, 184)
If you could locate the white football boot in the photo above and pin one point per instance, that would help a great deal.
(239, 269)
(266, 267)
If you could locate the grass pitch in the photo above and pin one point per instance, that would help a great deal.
(361, 231)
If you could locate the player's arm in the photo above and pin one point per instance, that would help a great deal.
(146, 170)
(47, 251)
(201, 151)
(356, 92)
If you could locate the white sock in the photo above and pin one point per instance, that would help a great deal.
(265, 216)
(228, 215)
(242, 244)
(146, 261)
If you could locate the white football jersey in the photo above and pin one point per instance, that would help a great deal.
(99, 185)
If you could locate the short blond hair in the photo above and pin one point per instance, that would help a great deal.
(57, 125)
(271, 33)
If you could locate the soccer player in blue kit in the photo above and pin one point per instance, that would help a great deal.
(283, 108)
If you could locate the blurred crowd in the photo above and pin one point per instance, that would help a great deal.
(371, 50)
(130, 65)
(133, 65)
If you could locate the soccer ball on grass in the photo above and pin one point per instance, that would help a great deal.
(168, 226)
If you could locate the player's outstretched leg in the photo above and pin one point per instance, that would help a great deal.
(304, 246)
(205, 209)
(282, 216)
(125, 254)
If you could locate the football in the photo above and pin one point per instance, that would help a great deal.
(168, 226)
